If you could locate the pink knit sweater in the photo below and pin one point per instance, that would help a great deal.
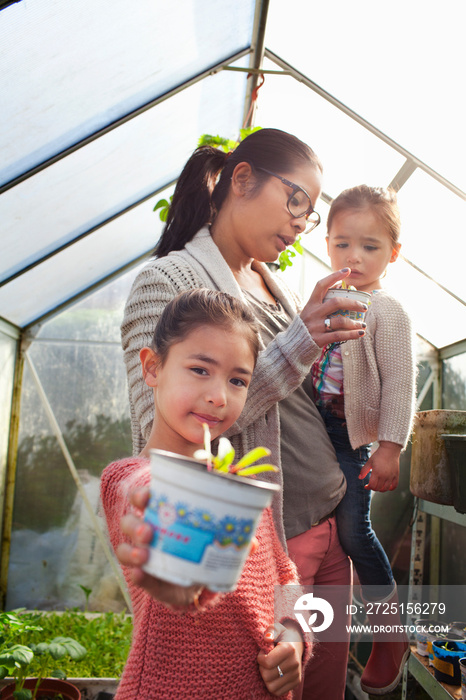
(209, 654)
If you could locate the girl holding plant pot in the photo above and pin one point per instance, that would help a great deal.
(230, 215)
(190, 642)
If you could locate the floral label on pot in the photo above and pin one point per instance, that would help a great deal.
(203, 521)
(186, 533)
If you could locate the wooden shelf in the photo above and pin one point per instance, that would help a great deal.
(418, 666)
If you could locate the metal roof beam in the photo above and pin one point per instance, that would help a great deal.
(300, 77)
(212, 70)
(258, 47)
(9, 329)
(452, 350)
(86, 292)
(66, 245)
(403, 174)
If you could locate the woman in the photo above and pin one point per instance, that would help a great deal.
(231, 214)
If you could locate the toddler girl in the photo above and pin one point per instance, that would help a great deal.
(190, 642)
(365, 393)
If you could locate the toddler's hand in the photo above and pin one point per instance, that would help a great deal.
(281, 668)
(385, 466)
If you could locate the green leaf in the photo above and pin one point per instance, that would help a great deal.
(249, 471)
(71, 647)
(247, 131)
(56, 651)
(23, 694)
(251, 457)
(225, 454)
(298, 247)
(284, 260)
(17, 655)
(58, 673)
(161, 203)
(164, 206)
(217, 142)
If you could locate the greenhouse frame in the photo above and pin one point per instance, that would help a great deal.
(102, 103)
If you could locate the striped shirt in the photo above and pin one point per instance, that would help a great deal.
(327, 374)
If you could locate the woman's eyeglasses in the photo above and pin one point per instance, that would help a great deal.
(299, 203)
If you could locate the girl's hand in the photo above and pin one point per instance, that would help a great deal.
(286, 656)
(315, 312)
(136, 553)
(385, 466)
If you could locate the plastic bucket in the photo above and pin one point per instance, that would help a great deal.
(426, 631)
(203, 521)
(458, 627)
(456, 457)
(462, 663)
(430, 473)
(446, 637)
(353, 294)
(447, 661)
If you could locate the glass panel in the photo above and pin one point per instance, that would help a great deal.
(96, 318)
(434, 230)
(349, 153)
(72, 68)
(101, 179)
(54, 548)
(454, 383)
(398, 66)
(7, 371)
(81, 265)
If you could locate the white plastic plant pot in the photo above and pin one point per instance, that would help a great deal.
(203, 521)
(353, 294)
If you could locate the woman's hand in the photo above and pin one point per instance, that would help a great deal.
(136, 553)
(315, 312)
(281, 668)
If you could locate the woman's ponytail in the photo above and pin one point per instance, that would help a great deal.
(205, 182)
(191, 207)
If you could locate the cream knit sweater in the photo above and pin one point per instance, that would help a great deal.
(379, 374)
(280, 369)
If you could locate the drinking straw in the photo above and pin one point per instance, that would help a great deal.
(207, 446)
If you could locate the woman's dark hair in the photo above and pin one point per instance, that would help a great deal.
(203, 307)
(205, 180)
(382, 201)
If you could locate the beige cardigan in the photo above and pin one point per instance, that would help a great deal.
(280, 369)
(379, 374)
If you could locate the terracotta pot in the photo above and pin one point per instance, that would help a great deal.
(49, 687)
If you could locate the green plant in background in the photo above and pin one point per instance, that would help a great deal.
(285, 259)
(106, 637)
(87, 592)
(20, 657)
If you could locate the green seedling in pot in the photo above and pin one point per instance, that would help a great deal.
(16, 659)
(223, 461)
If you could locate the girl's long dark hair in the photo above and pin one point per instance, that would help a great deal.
(205, 180)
